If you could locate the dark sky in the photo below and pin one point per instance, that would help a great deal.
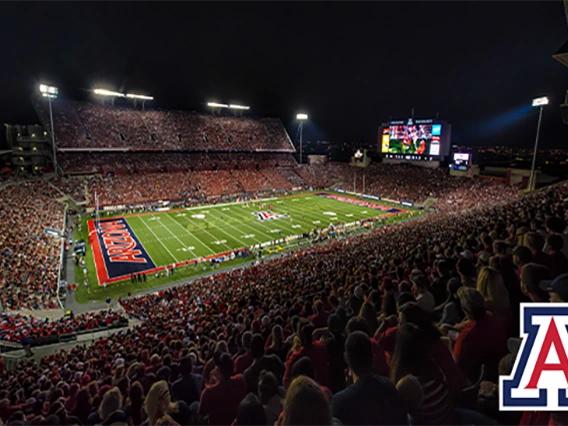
(350, 66)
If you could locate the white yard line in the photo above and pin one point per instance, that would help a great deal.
(168, 250)
(195, 236)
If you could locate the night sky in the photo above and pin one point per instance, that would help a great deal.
(350, 66)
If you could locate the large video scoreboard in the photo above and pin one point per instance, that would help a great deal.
(426, 140)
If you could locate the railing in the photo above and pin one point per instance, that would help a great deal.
(63, 338)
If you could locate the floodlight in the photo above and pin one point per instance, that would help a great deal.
(243, 107)
(104, 92)
(144, 97)
(540, 101)
(302, 117)
(48, 91)
(216, 105)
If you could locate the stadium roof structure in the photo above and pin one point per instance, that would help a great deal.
(561, 54)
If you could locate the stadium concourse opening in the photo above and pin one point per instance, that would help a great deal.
(128, 249)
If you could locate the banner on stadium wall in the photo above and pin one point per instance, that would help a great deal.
(52, 232)
(407, 203)
(371, 197)
(341, 190)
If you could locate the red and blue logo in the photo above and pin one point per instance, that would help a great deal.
(540, 375)
(268, 215)
(117, 251)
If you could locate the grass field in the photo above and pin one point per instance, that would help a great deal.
(179, 236)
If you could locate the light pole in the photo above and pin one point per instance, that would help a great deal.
(537, 102)
(301, 118)
(50, 92)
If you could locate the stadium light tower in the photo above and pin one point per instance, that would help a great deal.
(51, 92)
(537, 102)
(301, 118)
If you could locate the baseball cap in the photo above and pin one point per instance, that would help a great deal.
(467, 254)
(559, 285)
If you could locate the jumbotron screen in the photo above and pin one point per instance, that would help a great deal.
(420, 139)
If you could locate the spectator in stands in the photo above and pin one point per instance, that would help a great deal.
(230, 390)
(420, 382)
(245, 360)
(491, 286)
(482, 341)
(535, 243)
(371, 399)
(532, 274)
(305, 404)
(189, 386)
(261, 362)
(250, 412)
(314, 350)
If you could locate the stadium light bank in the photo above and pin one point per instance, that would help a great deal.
(540, 103)
(104, 92)
(51, 92)
(217, 105)
(301, 118)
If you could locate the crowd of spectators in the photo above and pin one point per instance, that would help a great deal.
(16, 327)
(348, 332)
(91, 125)
(29, 259)
(142, 162)
(74, 188)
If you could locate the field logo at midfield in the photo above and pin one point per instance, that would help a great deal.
(117, 250)
(539, 379)
(268, 215)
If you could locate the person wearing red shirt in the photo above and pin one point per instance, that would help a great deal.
(316, 351)
(482, 341)
(220, 402)
(244, 361)
(319, 319)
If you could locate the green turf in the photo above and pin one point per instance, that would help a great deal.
(179, 235)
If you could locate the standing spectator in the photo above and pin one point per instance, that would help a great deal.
(305, 404)
(219, 402)
(250, 412)
(315, 351)
(420, 290)
(419, 381)
(372, 399)
(491, 286)
(532, 274)
(482, 341)
(557, 288)
(245, 360)
(261, 362)
(189, 386)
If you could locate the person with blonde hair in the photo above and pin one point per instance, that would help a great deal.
(305, 404)
(491, 286)
(157, 403)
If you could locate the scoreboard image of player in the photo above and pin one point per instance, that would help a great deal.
(415, 139)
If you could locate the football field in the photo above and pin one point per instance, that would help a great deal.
(194, 239)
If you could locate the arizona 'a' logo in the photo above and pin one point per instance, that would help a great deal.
(539, 380)
(268, 215)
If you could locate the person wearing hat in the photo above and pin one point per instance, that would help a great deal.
(483, 258)
(556, 288)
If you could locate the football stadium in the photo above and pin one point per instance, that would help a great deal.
(202, 223)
